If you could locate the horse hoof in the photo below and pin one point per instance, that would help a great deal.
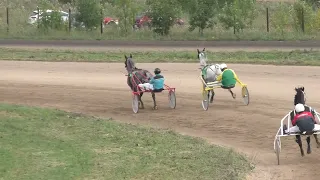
(155, 107)
(234, 95)
(309, 151)
(142, 107)
(318, 145)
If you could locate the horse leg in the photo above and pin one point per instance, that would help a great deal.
(211, 99)
(140, 101)
(298, 140)
(154, 101)
(309, 147)
(232, 94)
(317, 140)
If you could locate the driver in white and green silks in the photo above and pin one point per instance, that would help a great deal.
(228, 79)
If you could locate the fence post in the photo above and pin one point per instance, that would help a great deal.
(7, 19)
(38, 16)
(69, 20)
(302, 20)
(101, 24)
(267, 19)
(234, 24)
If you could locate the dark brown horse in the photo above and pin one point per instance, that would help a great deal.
(300, 98)
(137, 76)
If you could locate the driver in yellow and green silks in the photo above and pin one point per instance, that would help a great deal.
(228, 79)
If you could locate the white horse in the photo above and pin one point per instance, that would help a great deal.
(209, 71)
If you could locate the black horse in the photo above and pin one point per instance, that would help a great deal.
(299, 98)
(136, 77)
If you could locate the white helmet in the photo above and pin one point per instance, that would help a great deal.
(299, 108)
(223, 65)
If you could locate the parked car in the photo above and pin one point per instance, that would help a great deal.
(142, 21)
(110, 21)
(34, 16)
(145, 21)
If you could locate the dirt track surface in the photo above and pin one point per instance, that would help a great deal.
(101, 90)
(162, 45)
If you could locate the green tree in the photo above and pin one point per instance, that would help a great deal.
(163, 14)
(111, 2)
(314, 3)
(126, 11)
(303, 13)
(65, 1)
(281, 17)
(52, 20)
(237, 14)
(201, 14)
(89, 12)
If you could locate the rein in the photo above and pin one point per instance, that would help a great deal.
(135, 77)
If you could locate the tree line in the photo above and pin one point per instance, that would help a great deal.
(202, 14)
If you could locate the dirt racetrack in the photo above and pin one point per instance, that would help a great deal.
(100, 89)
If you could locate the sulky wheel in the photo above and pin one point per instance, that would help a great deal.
(205, 100)
(172, 99)
(277, 149)
(135, 103)
(245, 95)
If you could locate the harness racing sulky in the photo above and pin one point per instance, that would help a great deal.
(142, 81)
(302, 121)
(215, 76)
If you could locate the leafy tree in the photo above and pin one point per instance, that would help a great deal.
(281, 17)
(163, 14)
(51, 20)
(111, 2)
(202, 13)
(187, 6)
(65, 1)
(237, 14)
(126, 11)
(303, 11)
(89, 12)
(314, 3)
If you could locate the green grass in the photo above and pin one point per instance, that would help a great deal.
(50, 144)
(272, 57)
(177, 34)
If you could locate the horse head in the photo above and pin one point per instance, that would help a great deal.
(300, 96)
(202, 57)
(127, 59)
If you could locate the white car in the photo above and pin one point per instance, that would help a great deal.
(34, 16)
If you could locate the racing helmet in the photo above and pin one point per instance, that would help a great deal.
(223, 66)
(299, 108)
(157, 71)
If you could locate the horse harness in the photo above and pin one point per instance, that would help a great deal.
(204, 70)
